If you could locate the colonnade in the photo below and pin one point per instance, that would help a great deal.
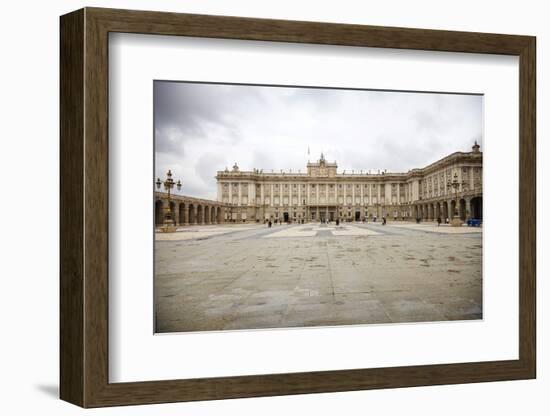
(468, 207)
(189, 211)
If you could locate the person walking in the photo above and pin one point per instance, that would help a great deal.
(438, 221)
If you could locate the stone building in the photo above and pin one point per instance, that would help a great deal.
(187, 210)
(322, 193)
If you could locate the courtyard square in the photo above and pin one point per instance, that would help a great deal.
(250, 276)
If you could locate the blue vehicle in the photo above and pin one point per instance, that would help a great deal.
(473, 222)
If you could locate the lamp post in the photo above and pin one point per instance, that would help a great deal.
(454, 185)
(169, 222)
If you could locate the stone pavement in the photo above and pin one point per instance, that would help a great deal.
(251, 276)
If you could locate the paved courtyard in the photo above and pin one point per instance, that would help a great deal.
(225, 277)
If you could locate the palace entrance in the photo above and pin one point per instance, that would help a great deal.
(357, 215)
(323, 213)
(285, 216)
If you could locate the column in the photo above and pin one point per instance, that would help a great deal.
(176, 213)
(345, 196)
(220, 192)
(239, 202)
(251, 193)
(262, 201)
(468, 207)
(195, 216)
(387, 196)
(262, 194)
(317, 193)
(290, 195)
(415, 190)
(353, 200)
(252, 214)
(230, 192)
(398, 193)
(370, 194)
(186, 214)
(183, 212)
(271, 195)
(308, 193)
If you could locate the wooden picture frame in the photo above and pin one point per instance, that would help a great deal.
(84, 207)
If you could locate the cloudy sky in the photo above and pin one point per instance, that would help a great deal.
(203, 128)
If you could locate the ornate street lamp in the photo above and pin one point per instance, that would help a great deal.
(169, 222)
(454, 185)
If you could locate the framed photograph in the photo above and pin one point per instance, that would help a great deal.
(255, 207)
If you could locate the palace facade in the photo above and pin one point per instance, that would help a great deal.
(322, 193)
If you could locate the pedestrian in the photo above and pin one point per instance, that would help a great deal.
(438, 221)
(383, 220)
(269, 223)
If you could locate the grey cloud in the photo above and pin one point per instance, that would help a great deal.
(207, 165)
